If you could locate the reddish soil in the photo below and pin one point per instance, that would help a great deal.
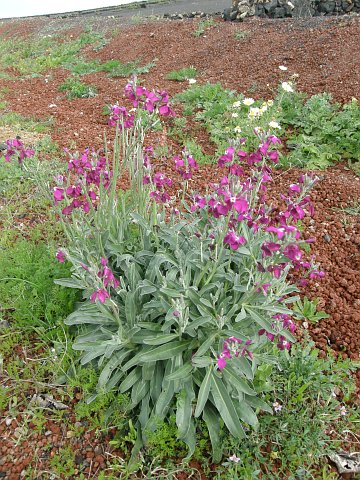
(326, 55)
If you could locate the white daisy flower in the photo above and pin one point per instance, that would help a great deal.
(248, 101)
(274, 124)
(192, 81)
(287, 86)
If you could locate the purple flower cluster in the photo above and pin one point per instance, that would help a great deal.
(233, 347)
(151, 101)
(159, 181)
(281, 321)
(108, 279)
(107, 275)
(16, 148)
(91, 171)
(185, 165)
(122, 116)
(246, 203)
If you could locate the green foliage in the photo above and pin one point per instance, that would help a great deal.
(23, 123)
(196, 151)
(44, 53)
(77, 89)
(113, 68)
(323, 132)
(116, 68)
(81, 66)
(162, 443)
(182, 74)
(63, 463)
(202, 26)
(307, 309)
(212, 99)
(320, 132)
(3, 394)
(240, 34)
(224, 115)
(293, 443)
(28, 294)
(353, 209)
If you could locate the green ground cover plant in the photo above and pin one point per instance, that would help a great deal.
(203, 26)
(43, 53)
(27, 287)
(113, 68)
(26, 123)
(307, 309)
(182, 74)
(75, 88)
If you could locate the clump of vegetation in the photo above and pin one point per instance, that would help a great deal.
(318, 132)
(44, 53)
(116, 68)
(182, 74)
(75, 88)
(323, 132)
(203, 26)
(29, 296)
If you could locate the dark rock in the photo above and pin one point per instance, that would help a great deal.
(327, 7)
(279, 12)
(227, 14)
(269, 7)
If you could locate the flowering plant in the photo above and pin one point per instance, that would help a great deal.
(181, 305)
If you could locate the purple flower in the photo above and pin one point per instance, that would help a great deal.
(60, 255)
(221, 363)
(234, 241)
(269, 248)
(100, 294)
(241, 205)
(293, 252)
(58, 194)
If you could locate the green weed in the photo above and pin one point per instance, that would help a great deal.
(77, 89)
(353, 209)
(323, 132)
(44, 53)
(63, 463)
(29, 296)
(202, 26)
(294, 441)
(25, 123)
(240, 35)
(182, 74)
(307, 309)
(116, 68)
